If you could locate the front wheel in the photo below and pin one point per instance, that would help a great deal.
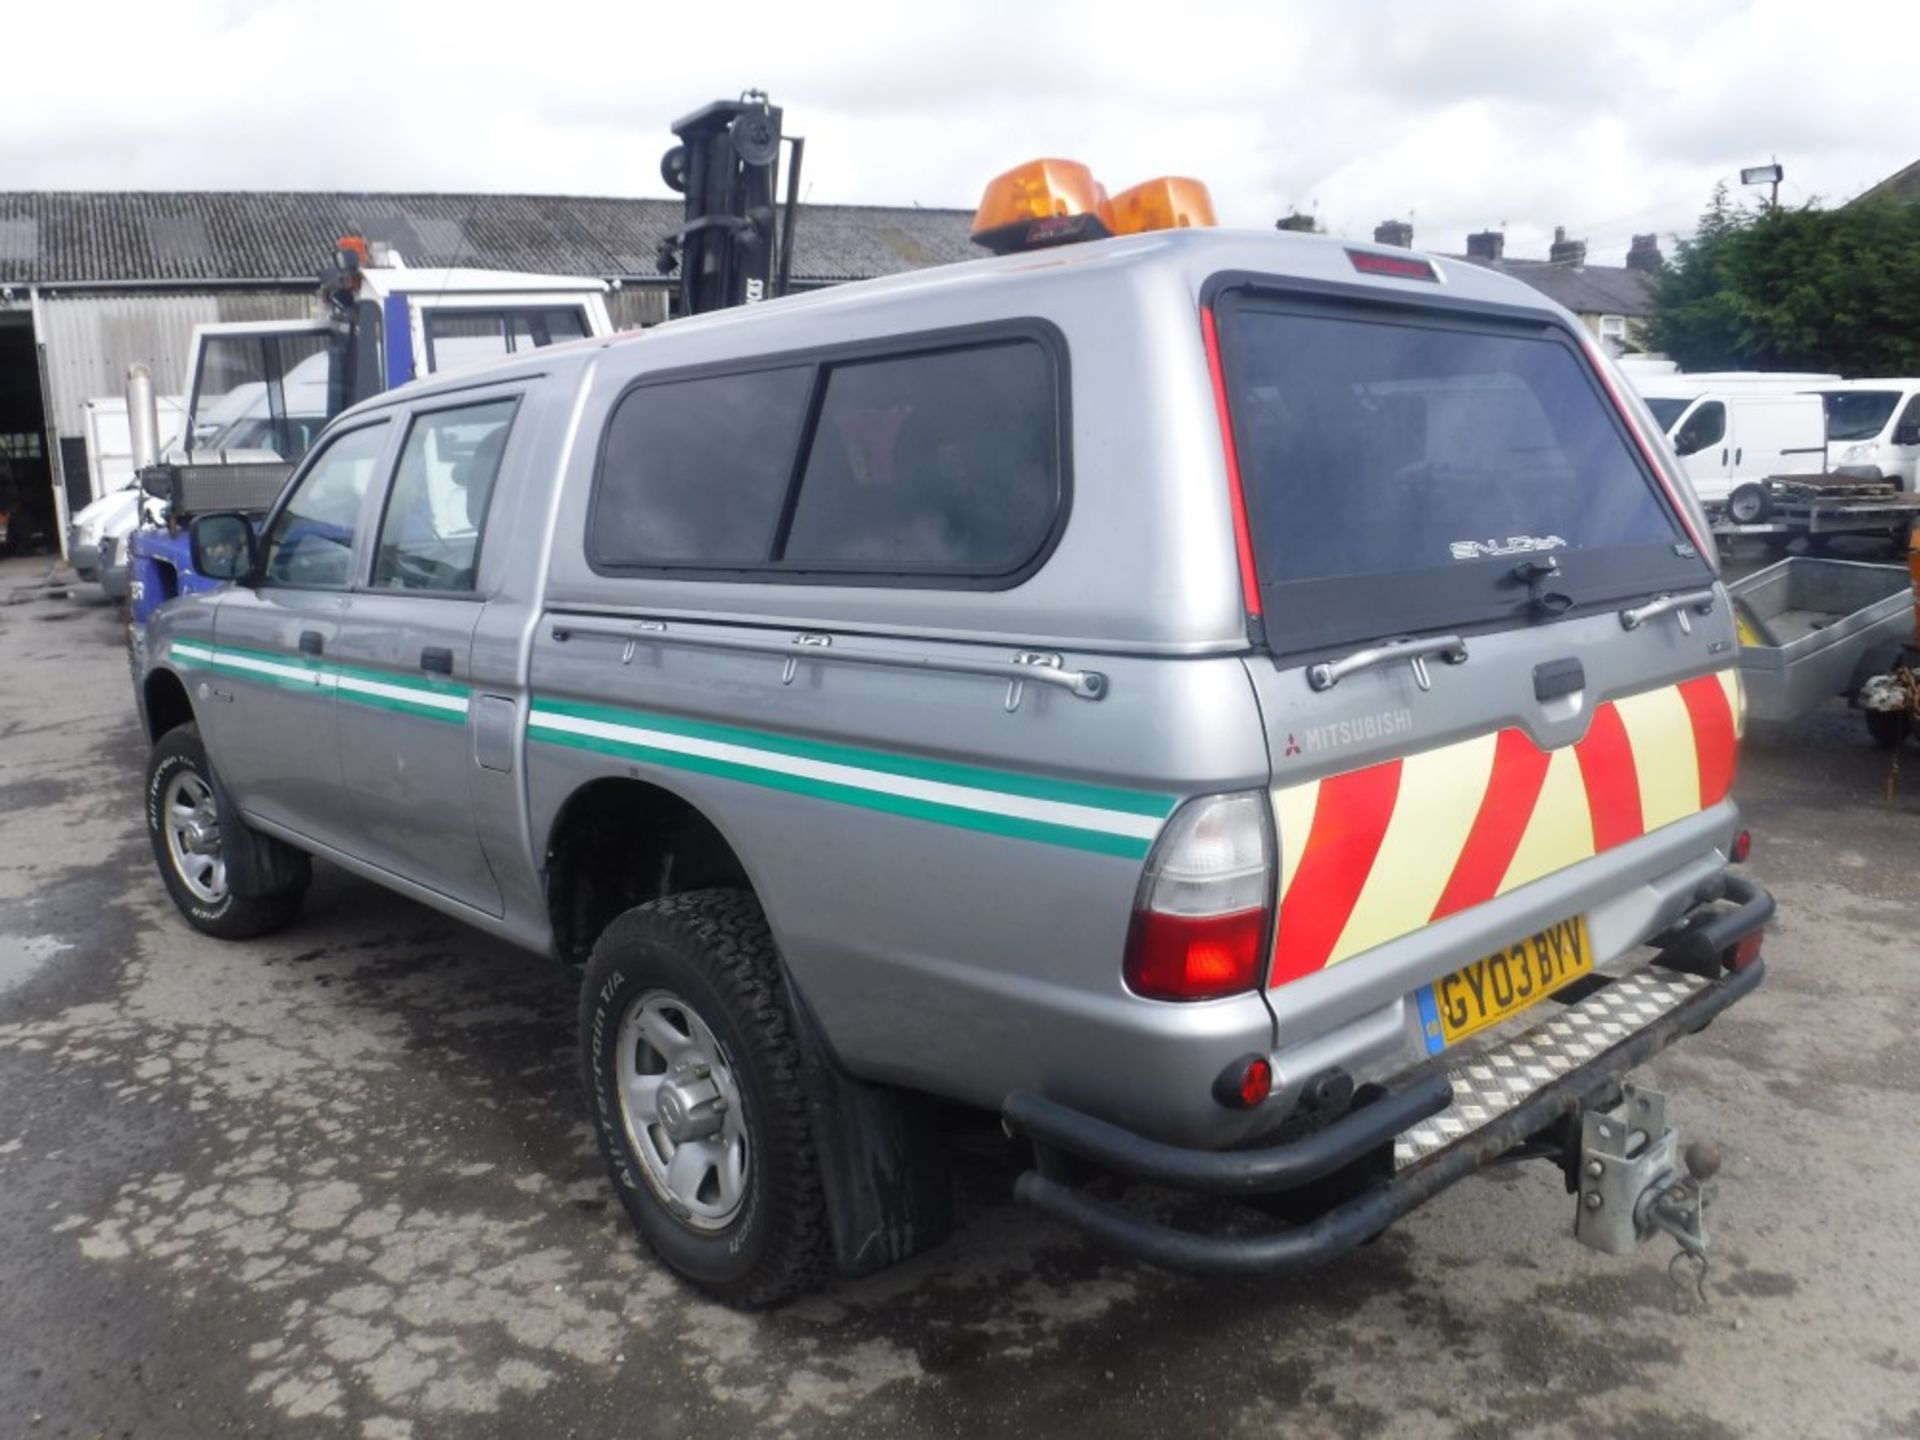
(184, 825)
(693, 1069)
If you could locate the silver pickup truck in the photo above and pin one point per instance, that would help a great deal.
(1255, 712)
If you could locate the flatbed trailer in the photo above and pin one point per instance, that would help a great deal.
(1823, 505)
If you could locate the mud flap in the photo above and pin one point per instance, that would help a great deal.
(883, 1160)
(256, 864)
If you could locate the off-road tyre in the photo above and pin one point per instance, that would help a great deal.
(713, 950)
(232, 917)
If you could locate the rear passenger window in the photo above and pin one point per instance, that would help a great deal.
(437, 509)
(940, 463)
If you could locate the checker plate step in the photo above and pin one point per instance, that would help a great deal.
(1489, 1081)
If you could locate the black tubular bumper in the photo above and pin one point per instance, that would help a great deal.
(1290, 1165)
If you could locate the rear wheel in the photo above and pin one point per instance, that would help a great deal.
(184, 826)
(693, 1068)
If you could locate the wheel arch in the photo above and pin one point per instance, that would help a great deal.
(167, 702)
(620, 841)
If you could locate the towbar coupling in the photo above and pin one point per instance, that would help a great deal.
(1699, 601)
(1450, 648)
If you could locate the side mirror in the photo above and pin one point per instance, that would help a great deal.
(1907, 434)
(224, 546)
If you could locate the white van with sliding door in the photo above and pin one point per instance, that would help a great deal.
(1731, 437)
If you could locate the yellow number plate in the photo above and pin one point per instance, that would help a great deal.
(1504, 983)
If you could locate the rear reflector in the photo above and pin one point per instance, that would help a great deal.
(1200, 925)
(1742, 847)
(1744, 952)
(1244, 1083)
(1400, 267)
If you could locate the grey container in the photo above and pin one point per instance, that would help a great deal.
(1805, 623)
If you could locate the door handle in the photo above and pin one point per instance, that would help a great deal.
(1723, 454)
(311, 643)
(1737, 453)
(437, 658)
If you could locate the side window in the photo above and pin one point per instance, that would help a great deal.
(930, 463)
(695, 471)
(1706, 426)
(941, 462)
(311, 542)
(457, 336)
(436, 511)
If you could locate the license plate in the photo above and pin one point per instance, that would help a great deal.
(1504, 983)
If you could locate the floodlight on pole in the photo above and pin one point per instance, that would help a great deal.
(1765, 175)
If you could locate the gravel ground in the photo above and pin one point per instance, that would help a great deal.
(339, 1182)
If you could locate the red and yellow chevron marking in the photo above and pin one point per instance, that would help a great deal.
(1374, 854)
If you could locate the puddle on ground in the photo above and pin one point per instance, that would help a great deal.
(22, 955)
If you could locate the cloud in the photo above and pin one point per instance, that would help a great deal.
(1605, 119)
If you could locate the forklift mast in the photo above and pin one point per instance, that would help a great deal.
(727, 164)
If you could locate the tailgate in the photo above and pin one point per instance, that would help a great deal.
(1418, 477)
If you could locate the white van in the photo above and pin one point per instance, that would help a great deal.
(1730, 437)
(1873, 426)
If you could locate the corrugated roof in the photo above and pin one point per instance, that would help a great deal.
(50, 237)
(1583, 289)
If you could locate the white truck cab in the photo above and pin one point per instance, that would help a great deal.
(1731, 435)
(1874, 426)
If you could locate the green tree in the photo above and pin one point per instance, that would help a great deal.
(1794, 289)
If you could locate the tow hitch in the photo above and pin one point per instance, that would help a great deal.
(1634, 1183)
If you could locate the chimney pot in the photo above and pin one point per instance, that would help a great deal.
(1394, 232)
(1645, 253)
(1565, 251)
(1295, 221)
(1487, 245)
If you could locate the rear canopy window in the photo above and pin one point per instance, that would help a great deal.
(941, 463)
(1398, 468)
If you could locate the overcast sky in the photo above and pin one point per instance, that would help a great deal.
(1608, 117)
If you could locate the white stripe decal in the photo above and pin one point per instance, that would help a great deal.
(319, 679)
(323, 679)
(992, 802)
(434, 699)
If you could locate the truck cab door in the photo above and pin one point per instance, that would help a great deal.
(405, 643)
(271, 721)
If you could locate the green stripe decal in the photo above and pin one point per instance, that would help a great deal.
(422, 696)
(1103, 797)
(1100, 819)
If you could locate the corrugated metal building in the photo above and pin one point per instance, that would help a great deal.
(92, 282)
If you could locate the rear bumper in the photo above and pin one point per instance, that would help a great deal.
(1363, 1133)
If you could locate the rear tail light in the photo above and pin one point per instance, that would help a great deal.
(1200, 925)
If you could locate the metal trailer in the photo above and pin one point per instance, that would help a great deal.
(1811, 629)
(1796, 507)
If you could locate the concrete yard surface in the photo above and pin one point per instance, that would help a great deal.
(340, 1183)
